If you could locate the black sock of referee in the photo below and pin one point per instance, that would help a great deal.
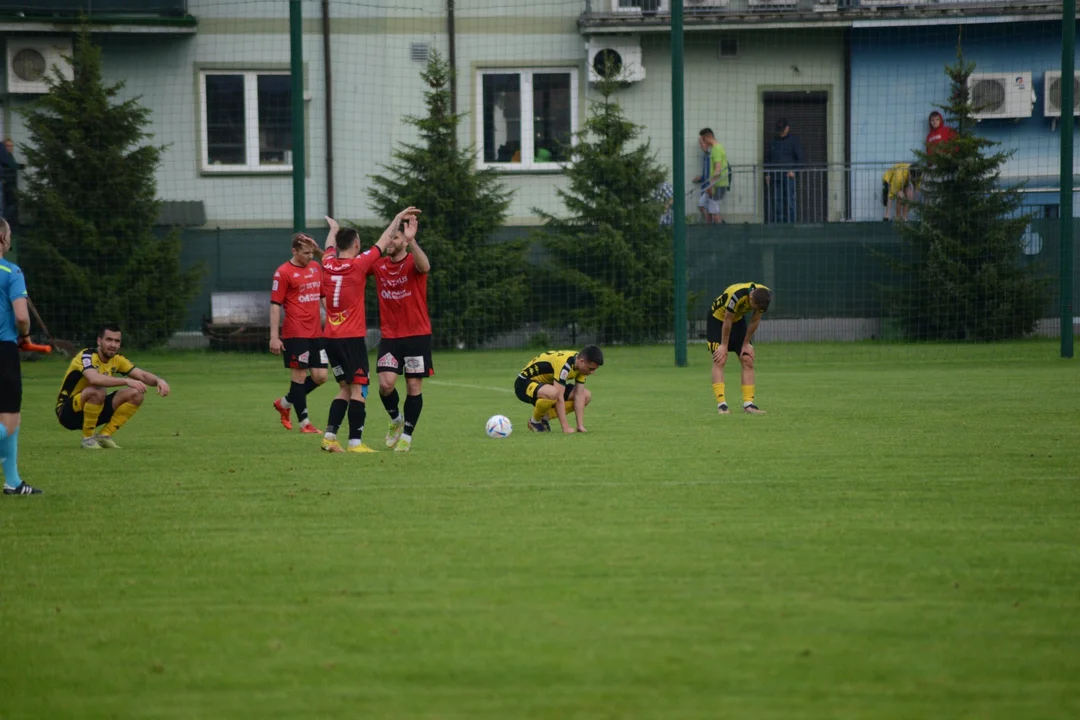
(357, 416)
(298, 398)
(309, 384)
(338, 408)
(413, 405)
(390, 402)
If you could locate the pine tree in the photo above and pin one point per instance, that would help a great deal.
(610, 261)
(90, 254)
(477, 285)
(964, 274)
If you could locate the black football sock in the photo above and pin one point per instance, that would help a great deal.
(338, 408)
(357, 416)
(413, 405)
(309, 384)
(298, 398)
(390, 402)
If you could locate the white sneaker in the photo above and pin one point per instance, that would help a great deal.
(91, 443)
(393, 433)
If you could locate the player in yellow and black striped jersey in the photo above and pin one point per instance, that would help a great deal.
(554, 381)
(82, 403)
(727, 329)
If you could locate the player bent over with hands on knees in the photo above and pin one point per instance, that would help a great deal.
(726, 328)
(554, 381)
(297, 290)
(14, 334)
(345, 271)
(83, 403)
(405, 346)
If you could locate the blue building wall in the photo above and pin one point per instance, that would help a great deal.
(897, 76)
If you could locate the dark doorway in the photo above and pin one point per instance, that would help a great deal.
(807, 113)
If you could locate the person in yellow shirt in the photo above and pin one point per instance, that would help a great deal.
(727, 328)
(898, 190)
(554, 381)
(83, 404)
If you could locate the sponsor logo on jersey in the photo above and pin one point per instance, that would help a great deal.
(388, 360)
(414, 363)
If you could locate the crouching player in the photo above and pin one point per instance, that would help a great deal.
(83, 403)
(555, 382)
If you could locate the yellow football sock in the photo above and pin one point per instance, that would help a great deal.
(748, 393)
(91, 413)
(541, 409)
(718, 391)
(120, 416)
(569, 405)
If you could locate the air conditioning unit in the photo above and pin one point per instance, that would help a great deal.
(704, 4)
(772, 3)
(616, 57)
(648, 8)
(30, 61)
(1001, 95)
(1052, 93)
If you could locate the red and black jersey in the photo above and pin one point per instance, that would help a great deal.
(343, 283)
(402, 289)
(297, 290)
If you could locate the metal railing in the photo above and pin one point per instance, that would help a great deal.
(820, 193)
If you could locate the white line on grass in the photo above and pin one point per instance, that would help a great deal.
(472, 387)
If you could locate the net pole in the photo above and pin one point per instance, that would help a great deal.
(296, 69)
(1068, 48)
(678, 169)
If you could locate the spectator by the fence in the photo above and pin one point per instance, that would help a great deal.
(939, 133)
(703, 180)
(665, 194)
(898, 190)
(9, 169)
(715, 181)
(783, 157)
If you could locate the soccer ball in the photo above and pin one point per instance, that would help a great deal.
(498, 427)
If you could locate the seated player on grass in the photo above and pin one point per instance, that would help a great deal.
(725, 328)
(555, 382)
(83, 403)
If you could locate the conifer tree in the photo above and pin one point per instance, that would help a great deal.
(90, 251)
(610, 261)
(477, 285)
(964, 276)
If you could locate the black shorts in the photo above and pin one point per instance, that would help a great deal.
(714, 332)
(348, 360)
(70, 411)
(304, 353)
(409, 355)
(526, 389)
(10, 378)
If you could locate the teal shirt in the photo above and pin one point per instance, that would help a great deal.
(13, 287)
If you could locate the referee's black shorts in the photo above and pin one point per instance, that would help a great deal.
(10, 378)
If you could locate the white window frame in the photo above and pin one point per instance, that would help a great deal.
(528, 149)
(251, 125)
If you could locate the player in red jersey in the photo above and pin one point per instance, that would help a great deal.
(405, 347)
(345, 271)
(297, 290)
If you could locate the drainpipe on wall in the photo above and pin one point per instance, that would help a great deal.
(452, 38)
(847, 121)
(328, 78)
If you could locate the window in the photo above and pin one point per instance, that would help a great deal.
(526, 118)
(247, 121)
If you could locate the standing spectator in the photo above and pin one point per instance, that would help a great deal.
(703, 180)
(939, 133)
(9, 169)
(783, 156)
(665, 194)
(715, 182)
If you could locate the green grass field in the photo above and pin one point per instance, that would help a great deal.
(898, 538)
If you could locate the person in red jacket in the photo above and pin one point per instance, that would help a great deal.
(939, 132)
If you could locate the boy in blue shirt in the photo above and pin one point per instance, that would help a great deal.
(14, 331)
